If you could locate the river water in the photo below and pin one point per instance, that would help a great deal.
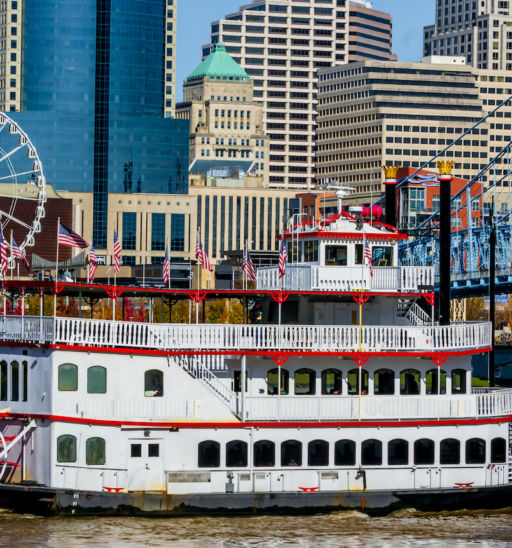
(351, 529)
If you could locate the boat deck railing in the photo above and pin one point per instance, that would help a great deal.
(470, 337)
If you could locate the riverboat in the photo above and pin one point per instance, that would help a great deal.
(344, 392)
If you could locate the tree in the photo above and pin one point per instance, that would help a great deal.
(216, 311)
(474, 308)
(236, 312)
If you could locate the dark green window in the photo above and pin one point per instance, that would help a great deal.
(178, 232)
(68, 377)
(15, 381)
(157, 231)
(129, 230)
(96, 380)
(66, 448)
(3, 381)
(95, 452)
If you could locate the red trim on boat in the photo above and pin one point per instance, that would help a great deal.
(325, 235)
(270, 353)
(267, 424)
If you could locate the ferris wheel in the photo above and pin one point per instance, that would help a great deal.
(22, 184)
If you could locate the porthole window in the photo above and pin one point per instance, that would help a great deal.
(431, 381)
(236, 454)
(498, 450)
(475, 451)
(15, 381)
(3, 381)
(68, 377)
(66, 448)
(96, 380)
(331, 382)
(291, 453)
(318, 453)
(304, 382)
(272, 381)
(449, 452)
(398, 452)
(371, 453)
(95, 452)
(384, 382)
(153, 383)
(410, 382)
(458, 381)
(208, 454)
(344, 453)
(264, 453)
(353, 382)
(424, 452)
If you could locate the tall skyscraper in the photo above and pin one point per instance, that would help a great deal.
(171, 20)
(479, 30)
(94, 84)
(282, 44)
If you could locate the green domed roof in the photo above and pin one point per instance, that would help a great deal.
(219, 65)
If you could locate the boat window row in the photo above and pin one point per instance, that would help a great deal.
(339, 254)
(13, 381)
(304, 382)
(97, 380)
(398, 452)
(95, 454)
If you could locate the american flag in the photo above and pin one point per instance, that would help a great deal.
(4, 247)
(248, 265)
(71, 239)
(368, 255)
(167, 266)
(283, 255)
(201, 255)
(117, 253)
(16, 251)
(93, 264)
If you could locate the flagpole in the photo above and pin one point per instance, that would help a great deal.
(12, 270)
(56, 271)
(198, 274)
(169, 267)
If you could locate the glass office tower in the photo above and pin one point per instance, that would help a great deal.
(93, 99)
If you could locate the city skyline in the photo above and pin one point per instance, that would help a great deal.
(195, 16)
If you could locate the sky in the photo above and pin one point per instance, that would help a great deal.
(195, 16)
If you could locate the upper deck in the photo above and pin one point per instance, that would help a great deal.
(344, 254)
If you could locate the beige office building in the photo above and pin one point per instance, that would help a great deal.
(226, 124)
(11, 41)
(375, 113)
(479, 30)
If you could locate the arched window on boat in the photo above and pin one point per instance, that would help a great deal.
(264, 453)
(96, 380)
(424, 451)
(344, 453)
(318, 453)
(410, 380)
(449, 452)
(431, 381)
(272, 378)
(498, 450)
(3, 380)
(353, 382)
(371, 453)
(15, 381)
(398, 452)
(331, 382)
(291, 453)
(95, 452)
(153, 383)
(384, 382)
(459, 381)
(24, 377)
(236, 454)
(305, 380)
(475, 451)
(66, 448)
(208, 454)
(67, 377)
